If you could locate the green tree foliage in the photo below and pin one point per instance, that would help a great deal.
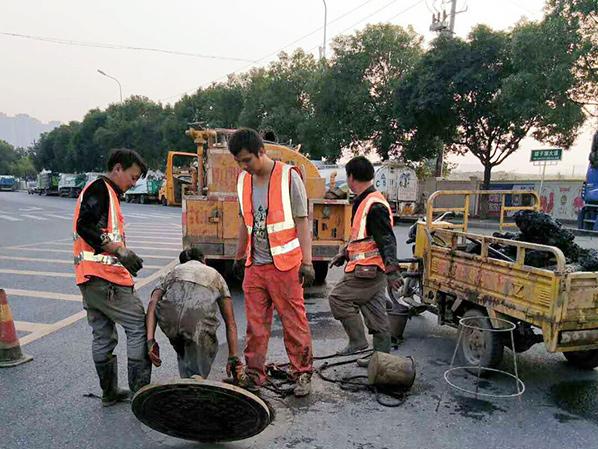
(15, 161)
(354, 100)
(7, 157)
(484, 95)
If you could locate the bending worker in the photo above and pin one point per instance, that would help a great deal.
(104, 267)
(274, 249)
(185, 304)
(371, 264)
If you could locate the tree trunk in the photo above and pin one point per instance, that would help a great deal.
(484, 205)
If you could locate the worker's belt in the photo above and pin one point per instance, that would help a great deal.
(114, 237)
(88, 256)
(366, 255)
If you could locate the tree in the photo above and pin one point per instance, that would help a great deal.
(354, 99)
(8, 156)
(484, 95)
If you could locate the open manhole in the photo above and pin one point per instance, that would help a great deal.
(201, 410)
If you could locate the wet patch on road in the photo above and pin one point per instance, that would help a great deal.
(477, 409)
(579, 398)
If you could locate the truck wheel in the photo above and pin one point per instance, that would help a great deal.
(478, 347)
(583, 359)
(321, 269)
(142, 199)
(164, 201)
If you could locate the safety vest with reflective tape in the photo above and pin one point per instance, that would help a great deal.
(104, 265)
(280, 225)
(362, 249)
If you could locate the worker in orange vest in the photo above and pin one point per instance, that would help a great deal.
(371, 264)
(274, 250)
(104, 267)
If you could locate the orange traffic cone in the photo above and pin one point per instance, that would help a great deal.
(10, 349)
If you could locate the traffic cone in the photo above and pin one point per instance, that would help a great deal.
(10, 349)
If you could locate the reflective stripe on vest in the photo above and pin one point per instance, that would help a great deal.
(104, 265)
(362, 249)
(280, 225)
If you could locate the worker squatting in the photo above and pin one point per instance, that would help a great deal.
(273, 258)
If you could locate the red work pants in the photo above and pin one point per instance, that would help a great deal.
(266, 287)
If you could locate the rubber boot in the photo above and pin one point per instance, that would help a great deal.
(354, 328)
(140, 374)
(382, 343)
(108, 374)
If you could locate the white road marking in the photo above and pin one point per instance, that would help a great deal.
(48, 250)
(9, 218)
(27, 326)
(77, 316)
(37, 273)
(63, 262)
(41, 294)
(29, 209)
(34, 217)
(62, 217)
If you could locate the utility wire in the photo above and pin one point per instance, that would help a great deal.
(336, 19)
(54, 40)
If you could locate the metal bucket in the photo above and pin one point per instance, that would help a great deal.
(387, 369)
(397, 318)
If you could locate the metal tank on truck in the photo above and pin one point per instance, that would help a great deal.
(211, 210)
(398, 183)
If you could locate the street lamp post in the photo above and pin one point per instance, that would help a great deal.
(325, 21)
(120, 89)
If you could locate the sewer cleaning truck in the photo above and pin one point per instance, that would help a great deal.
(211, 210)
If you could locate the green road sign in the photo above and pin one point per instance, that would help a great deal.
(553, 154)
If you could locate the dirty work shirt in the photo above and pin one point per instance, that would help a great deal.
(259, 243)
(187, 314)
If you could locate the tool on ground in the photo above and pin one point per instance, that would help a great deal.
(10, 348)
(201, 410)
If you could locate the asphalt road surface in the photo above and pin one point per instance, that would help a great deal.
(44, 403)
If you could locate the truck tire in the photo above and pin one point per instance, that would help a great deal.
(583, 359)
(321, 269)
(164, 201)
(478, 347)
(142, 199)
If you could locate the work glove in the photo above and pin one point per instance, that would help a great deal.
(338, 261)
(236, 370)
(153, 351)
(394, 278)
(307, 275)
(131, 261)
(239, 268)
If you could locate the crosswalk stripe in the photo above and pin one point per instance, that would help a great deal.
(41, 294)
(37, 273)
(52, 250)
(63, 262)
(62, 217)
(175, 247)
(9, 218)
(26, 326)
(34, 217)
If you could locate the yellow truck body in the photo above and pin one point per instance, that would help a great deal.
(211, 214)
(562, 304)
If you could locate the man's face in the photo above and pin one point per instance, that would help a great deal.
(125, 179)
(249, 161)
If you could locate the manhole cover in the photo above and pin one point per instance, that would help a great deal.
(201, 410)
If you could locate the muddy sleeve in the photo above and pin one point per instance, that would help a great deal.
(93, 214)
(379, 227)
(222, 287)
(298, 196)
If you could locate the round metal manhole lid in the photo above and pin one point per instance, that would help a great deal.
(201, 410)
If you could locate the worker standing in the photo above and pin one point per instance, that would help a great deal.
(185, 304)
(371, 264)
(274, 249)
(104, 267)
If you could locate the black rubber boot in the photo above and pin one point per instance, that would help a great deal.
(382, 343)
(354, 329)
(108, 374)
(140, 374)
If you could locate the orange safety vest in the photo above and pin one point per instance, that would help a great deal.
(280, 225)
(103, 265)
(362, 249)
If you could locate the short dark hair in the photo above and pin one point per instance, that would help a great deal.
(245, 139)
(126, 158)
(191, 254)
(360, 168)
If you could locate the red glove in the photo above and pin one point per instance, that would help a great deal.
(153, 351)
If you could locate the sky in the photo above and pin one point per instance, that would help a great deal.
(54, 81)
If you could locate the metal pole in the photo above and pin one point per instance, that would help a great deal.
(120, 89)
(542, 181)
(325, 21)
(452, 17)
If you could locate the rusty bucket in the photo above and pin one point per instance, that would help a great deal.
(397, 319)
(391, 370)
